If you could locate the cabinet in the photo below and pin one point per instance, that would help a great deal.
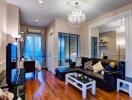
(11, 59)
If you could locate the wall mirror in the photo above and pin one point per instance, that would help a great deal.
(108, 40)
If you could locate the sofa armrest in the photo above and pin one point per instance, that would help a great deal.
(114, 74)
(72, 64)
(110, 78)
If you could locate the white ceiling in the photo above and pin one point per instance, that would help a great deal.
(51, 9)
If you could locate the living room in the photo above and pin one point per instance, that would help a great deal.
(45, 54)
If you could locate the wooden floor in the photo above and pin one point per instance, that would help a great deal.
(48, 87)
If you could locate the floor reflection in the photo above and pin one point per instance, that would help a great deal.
(45, 86)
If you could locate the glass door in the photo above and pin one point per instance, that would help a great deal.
(63, 49)
(33, 49)
(68, 48)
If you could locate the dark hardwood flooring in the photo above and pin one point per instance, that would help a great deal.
(47, 87)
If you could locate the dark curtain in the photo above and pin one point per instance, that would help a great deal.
(43, 44)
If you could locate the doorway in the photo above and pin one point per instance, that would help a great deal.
(50, 53)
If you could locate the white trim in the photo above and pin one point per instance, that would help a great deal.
(107, 20)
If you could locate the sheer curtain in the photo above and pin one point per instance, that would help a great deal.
(33, 48)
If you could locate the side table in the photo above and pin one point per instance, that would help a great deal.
(125, 85)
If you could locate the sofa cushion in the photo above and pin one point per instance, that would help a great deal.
(97, 67)
(84, 59)
(108, 68)
(79, 62)
(88, 65)
(91, 74)
(63, 69)
(112, 64)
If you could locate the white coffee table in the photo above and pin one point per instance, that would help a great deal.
(83, 86)
(125, 85)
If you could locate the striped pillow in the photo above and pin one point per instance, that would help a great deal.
(88, 65)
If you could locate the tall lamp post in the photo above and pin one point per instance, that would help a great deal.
(16, 37)
(119, 47)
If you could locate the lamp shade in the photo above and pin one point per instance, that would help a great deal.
(16, 36)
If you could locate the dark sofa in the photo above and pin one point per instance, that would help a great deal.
(106, 81)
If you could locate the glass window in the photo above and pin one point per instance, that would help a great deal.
(33, 49)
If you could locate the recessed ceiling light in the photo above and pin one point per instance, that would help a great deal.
(36, 20)
(40, 1)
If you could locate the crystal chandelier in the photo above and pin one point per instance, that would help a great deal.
(121, 29)
(76, 17)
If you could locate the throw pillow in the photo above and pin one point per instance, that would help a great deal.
(112, 64)
(88, 65)
(102, 72)
(97, 67)
(79, 62)
(108, 68)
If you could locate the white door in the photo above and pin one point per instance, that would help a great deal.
(50, 53)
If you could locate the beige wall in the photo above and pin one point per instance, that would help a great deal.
(50, 28)
(13, 22)
(4, 37)
(84, 40)
(111, 50)
(60, 25)
(129, 46)
(2, 33)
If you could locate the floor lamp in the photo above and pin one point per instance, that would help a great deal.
(119, 47)
(16, 37)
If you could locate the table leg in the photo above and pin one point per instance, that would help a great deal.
(130, 90)
(118, 85)
(84, 91)
(94, 88)
(66, 80)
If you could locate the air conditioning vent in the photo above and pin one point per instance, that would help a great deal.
(34, 30)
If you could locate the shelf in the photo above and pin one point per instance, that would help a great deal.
(103, 46)
(104, 42)
(125, 88)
